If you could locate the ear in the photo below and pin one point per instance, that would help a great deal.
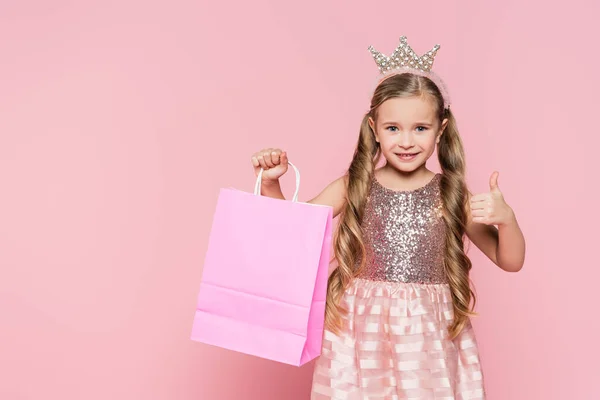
(442, 129)
(372, 125)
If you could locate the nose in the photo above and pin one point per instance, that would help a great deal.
(406, 140)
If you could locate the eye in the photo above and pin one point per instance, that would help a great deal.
(424, 128)
(391, 127)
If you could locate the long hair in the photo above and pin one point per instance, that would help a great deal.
(349, 248)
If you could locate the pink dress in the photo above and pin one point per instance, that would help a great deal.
(394, 344)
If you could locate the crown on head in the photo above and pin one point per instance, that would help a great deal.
(404, 56)
(404, 59)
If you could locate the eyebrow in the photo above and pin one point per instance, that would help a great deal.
(416, 123)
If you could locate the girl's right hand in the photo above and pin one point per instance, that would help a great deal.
(274, 162)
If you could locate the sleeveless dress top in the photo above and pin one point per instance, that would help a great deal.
(404, 233)
(394, 341)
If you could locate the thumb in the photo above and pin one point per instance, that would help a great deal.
(284, 159)
(494, 181)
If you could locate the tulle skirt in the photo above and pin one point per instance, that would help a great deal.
(394, 345)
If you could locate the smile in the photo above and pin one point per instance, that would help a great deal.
(407, 156)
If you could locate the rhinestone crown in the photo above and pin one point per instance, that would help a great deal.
(404, 56)
(405, 60)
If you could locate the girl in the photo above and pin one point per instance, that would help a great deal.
(399, 301)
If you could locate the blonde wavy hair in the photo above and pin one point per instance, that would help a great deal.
(349, 248)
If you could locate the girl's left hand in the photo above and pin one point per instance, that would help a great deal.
(490, 208)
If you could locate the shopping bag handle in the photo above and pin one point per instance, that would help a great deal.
(259, 182)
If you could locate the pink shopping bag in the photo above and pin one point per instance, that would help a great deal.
(265, 274)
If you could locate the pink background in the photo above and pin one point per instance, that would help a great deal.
(120, 120)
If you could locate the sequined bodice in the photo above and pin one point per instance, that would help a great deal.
(404, 233)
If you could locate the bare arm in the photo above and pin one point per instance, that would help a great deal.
(504, 245)
(333, 195)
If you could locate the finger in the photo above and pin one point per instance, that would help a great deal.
(276, 156)
(261, 161)
(494, 181)
(259, 153)
(484, 212)
(267, 158)
(284, 159)
(479, 205)
(255, 162)
(478, 213)
(480, 197)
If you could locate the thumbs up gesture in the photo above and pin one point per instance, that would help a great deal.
(490, 208)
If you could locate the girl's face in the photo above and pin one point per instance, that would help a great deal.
(407, 126)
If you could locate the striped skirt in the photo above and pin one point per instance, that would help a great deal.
(394, 345)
